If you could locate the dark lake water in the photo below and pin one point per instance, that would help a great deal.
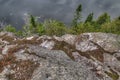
(14, 11)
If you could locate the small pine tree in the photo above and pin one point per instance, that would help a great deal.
(33, 24)
(31, 27)
(103, 19)
(77, 16)
(32, 21)
(89, 18)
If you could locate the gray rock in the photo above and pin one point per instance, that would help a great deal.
(48, 44)
(70, 39)
(109, 42)
(56, 65)
(6, 48)
(96, 57)
(61, 68)
(7, 34)
(1, 57)
(4, 73)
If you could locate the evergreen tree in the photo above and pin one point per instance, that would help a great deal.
(77, 16)
(89, 18)
(31, 27)
(32, 21)
(33, 24)
(103, 19)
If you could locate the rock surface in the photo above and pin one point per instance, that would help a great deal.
(89, 56)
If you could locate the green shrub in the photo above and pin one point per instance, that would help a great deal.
(10, 28)
(27, 31)
(89, 18)
(111, 27)
(102, 19)
(40, 29)
(77, 18)
(54, 27)
(31, 27)
(19, 33)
